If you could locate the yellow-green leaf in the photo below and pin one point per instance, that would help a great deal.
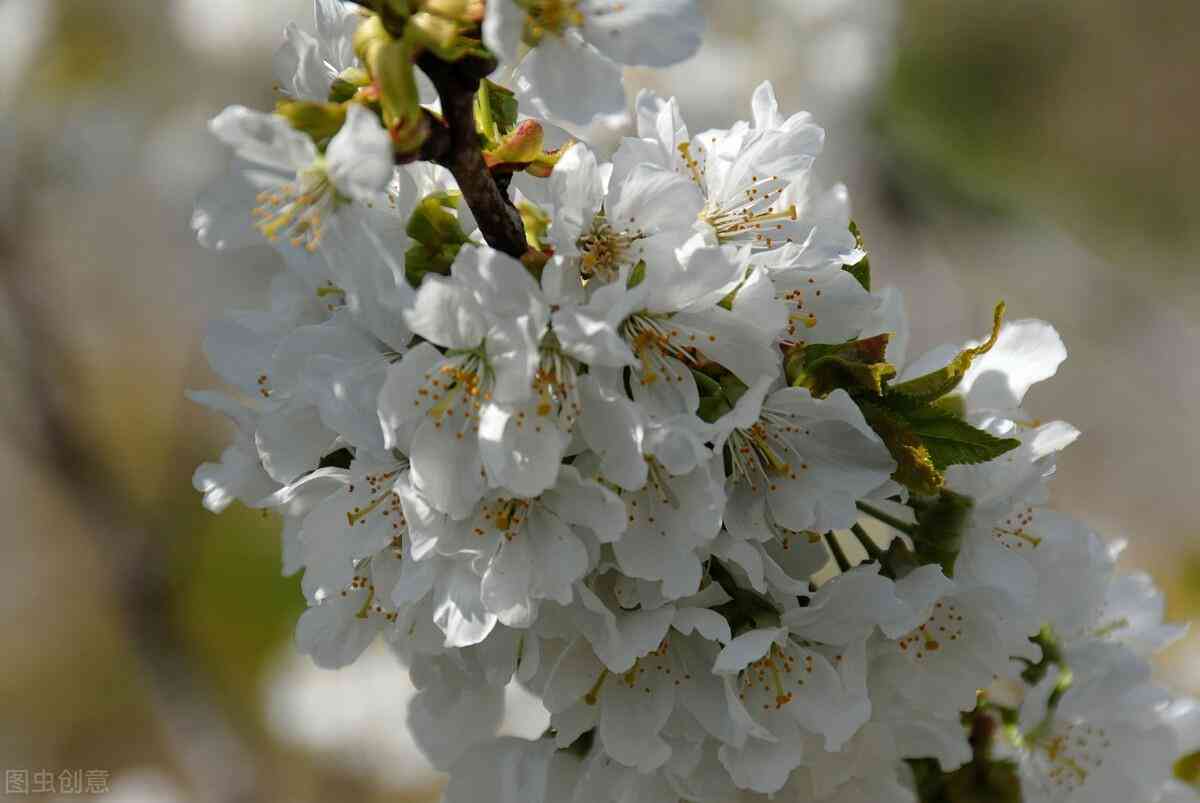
(951, 441)
(915, 469)
(936, 384)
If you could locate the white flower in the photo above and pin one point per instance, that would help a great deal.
(571, 71)
(749, 185)
(239, 474)
(671, 519)
(799, 462)
(282, 187)
(630, 708)
(596, 485)
(471, 415)
(524, 550)
(1101, 741)
(606, 226)
(965, 637)
(305, 65)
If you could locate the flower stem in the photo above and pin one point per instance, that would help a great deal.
(874, 551)
(839, 554)
(886, 518)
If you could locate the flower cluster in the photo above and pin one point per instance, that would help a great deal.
(667, 466)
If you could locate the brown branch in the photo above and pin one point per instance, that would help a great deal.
(454, 144)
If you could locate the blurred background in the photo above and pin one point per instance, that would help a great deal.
(1043, 153)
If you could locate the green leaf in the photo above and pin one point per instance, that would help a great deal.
(932, 386)
(496, 106)
(950, 441)
(855, 366)
(915, 469)
(860, 270)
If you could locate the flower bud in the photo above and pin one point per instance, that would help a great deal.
(319, 120)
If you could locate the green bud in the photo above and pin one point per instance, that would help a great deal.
(347, 85)
(1187, 769)
(517, 148)
(437, 237)
(369, 38)
(451, 9)
(319, 120)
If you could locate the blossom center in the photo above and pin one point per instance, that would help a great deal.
(653, 341)
(761, 455)
(555, 385)
(945, 624)
(549, 17)
(297, 209)
(605, 249)
(458, 387)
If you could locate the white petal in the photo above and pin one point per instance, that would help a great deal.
(512, 352)
(503, 286)
(332, 633)
(265, 139)
(631, 720)
(360, 156)
(578, 194)
(503, 24)
(458, 609)
(615, 428)
(292, 441)
(299, 69)
(651, 33)
(568, 79)
(746, 649)
(587, 503)
(446, 467)
(399, 399)
(222, 219)
(445, 312)
(520, 449)
(448, 719)
(506, 585)
(1026, 352)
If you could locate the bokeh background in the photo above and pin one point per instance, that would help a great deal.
(1043, 153)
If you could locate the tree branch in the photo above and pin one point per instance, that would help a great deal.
(454, 144)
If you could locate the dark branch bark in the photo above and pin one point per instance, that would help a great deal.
(454, 144)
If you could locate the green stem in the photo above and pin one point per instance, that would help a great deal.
(888, 519)
(839, 554)
(873, 550)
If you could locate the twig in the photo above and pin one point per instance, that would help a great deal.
(454, 144)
